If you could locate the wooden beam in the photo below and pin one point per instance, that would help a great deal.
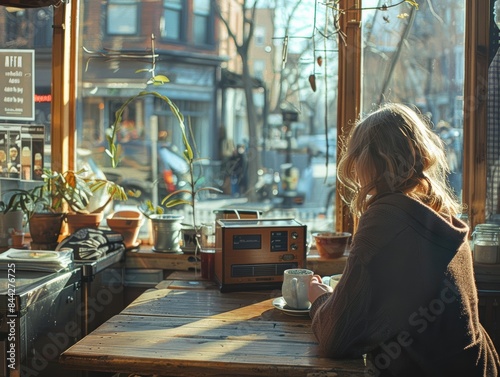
(475, 102)
(64, 83)
(349, 89)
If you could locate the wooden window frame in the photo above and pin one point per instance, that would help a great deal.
(65, 68)
(475, 93)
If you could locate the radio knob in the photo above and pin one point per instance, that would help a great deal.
(294, 246)
(295, 235)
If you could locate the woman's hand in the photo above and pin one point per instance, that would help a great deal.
(317, 288)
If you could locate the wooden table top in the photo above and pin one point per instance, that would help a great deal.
(201, 332)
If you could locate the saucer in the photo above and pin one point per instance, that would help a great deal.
(280, 304)
(133, 246)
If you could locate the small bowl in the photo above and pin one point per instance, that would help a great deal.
(331, 244)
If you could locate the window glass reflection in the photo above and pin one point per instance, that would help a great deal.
(417, 57)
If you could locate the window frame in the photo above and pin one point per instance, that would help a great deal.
(475, 89)
(182, 22)
(476, 67)
(209, 38)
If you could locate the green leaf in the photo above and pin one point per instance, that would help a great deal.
(161, 79)
(209, 188)
(413, 3)
(177, 202)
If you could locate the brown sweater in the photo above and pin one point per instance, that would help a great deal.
(407, 297)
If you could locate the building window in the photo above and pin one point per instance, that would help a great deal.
(122, 17)
(259, 67)
(201, 22)
(260, 35)
(173, 19)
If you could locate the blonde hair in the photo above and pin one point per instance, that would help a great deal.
(398, 152)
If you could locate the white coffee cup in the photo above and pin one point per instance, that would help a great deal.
(295, 287)
(332, 281)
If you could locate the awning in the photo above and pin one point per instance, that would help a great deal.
(235, 80)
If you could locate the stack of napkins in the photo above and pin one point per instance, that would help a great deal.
(36, 260)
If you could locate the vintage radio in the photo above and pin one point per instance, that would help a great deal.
(254, 253)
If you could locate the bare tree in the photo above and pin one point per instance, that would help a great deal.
(242, 40)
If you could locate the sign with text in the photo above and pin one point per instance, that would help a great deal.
(17, 84)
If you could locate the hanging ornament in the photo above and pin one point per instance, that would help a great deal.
(319, 59)
(284, 52)
(312, 82)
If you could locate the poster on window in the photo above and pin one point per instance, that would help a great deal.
(21, 151)
(17, 84)
(32, 142)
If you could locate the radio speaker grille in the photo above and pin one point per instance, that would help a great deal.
(271, 269)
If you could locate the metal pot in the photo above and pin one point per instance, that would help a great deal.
(166, 233)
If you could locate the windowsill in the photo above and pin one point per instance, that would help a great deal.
(148, 259)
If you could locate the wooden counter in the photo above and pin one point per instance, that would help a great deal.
(147, 259)
(202, 332)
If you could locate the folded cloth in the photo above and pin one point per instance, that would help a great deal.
(90, 243)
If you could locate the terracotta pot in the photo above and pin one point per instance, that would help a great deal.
(79, 220)
(128, 224)
(45, 228)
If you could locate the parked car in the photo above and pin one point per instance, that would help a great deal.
(316, 144)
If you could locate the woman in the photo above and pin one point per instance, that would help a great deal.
(407, 297)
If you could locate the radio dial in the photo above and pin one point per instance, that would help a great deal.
(294, 246)
(295, 235)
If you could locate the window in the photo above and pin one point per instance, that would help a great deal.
(259, 67)
(260, 36)
(25, 135)
(201, 22)
(441, 69)
(173, 20)
(122, 17)
(432, 78)
(399, 66)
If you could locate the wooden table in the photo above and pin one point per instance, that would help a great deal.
(181, 331)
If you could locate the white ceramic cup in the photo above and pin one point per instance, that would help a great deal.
(296, 286)
(332, 281)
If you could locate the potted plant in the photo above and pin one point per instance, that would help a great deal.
(45, 205)
(43, 209)
(166, 227)
(79, 190)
